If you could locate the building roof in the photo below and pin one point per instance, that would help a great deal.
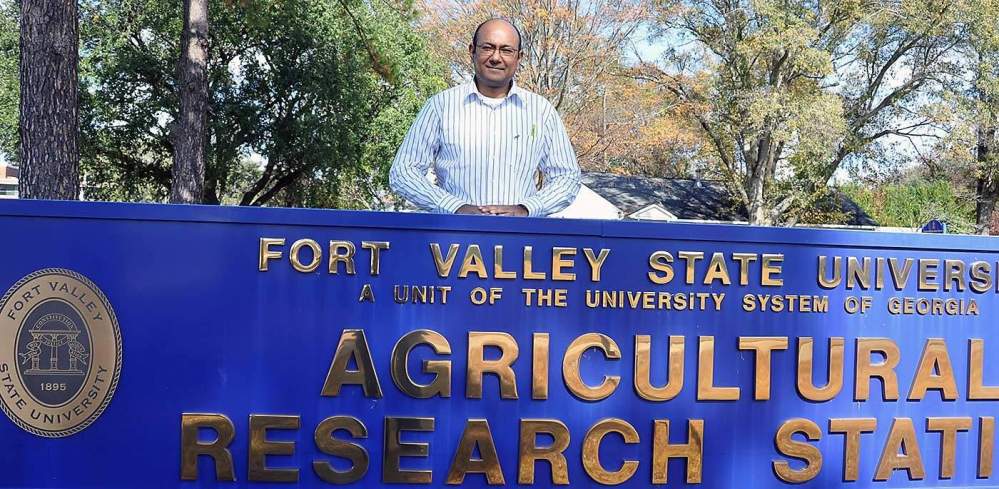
(684, 198)
(693, 199)
(854, 215)
(8, 180)
(8, 171)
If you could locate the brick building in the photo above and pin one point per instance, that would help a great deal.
(8, 181)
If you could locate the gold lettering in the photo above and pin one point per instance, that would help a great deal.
(643, 369)
(879, 274)
(530, 452)
(806, 359)
(928, 274)
(852, 428)
(692, 451)
(934, 359)
(442, 264)
(441, 369)
(787, 445)
(191, 447)
(478, 365)
(763, 346)
(560, 263)
(660, 261)
(342, 251)
(901, 452)
(260, 448)
(837, 273)
(498, 272)
(981, 279)
(330, 445)
(591, 451)
(857, 274)
(691, 257)
(986, 442)
(596, 262)
(296, 259)
(375, 251)
(476, 434)
(395, 449)
(706, 390)
(473, 263)
(529, 273)
(717, 270)
(948, 428)
(954, 275)
(744, 259)
(570, 366)
(353, 345)
(977, 390)
(900, 276)
(266, 254)
(539, 366)
(770, 267)
(867, 369)
(367, 294)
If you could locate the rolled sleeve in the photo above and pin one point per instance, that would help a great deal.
(533, 206)
(449, 204)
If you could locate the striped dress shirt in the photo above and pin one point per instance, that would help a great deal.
(486, 154)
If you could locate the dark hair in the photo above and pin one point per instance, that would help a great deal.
(475, 35)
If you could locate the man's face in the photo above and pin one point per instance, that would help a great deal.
(496, 54)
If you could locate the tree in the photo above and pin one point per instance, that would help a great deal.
(49, 117)
(983, 52)
(787, 91)
(966, 151)
(9, 87)
(188, 175)
(640, 129)
(305, 99)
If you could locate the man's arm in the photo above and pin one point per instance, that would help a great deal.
(408, 176)
(559, 170)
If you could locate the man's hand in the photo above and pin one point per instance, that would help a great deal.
(469, 209)
(504, 210)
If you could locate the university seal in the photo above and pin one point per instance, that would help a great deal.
(60, 353)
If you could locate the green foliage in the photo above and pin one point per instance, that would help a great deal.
(789, 90)
(983, 43)
(912, 204)
(309, 99)
(415, 75)
(982, 23)
(9, 76)
(305, 95)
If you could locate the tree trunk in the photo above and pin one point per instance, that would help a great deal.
(988, 186)
(188, 181)
(760, 176)
(50, 158)
(758, 212)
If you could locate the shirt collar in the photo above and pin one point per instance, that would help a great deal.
(519, 93)
(516, 94)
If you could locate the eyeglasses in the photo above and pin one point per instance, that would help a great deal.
(487, 50)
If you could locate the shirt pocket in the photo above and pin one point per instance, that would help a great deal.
(521, 145)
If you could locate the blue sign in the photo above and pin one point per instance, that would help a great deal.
(189, 346)
(934, 226)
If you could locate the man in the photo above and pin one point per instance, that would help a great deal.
(486, 139)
